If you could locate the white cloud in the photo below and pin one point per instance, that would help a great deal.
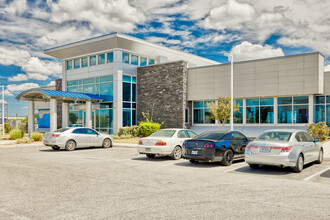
(13, 56)
(163, 40)
(52, 83)
(8, 93)
(327, 68)
(249, 51)
(19, 77)
(21, 87)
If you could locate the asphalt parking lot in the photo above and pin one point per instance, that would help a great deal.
(118, 183)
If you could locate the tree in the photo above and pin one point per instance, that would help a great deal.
(220, 110)
(73, 118)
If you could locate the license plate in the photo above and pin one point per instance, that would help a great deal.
(264, 149)
(148, 149)
(195, 152)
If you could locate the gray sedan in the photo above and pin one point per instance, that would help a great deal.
(70, 138)
(285, 148)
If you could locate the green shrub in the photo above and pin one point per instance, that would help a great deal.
(122, 136)
(24, 140)
(129, 131)
(319, 130)
(24, 127)
(148, 128)
(36, 136)
(16, 134)
(8, 127)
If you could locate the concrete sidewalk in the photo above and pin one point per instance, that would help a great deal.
(326, 148)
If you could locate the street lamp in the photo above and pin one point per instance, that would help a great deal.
(230, 55)
(3, 111)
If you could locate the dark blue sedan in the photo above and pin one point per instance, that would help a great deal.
(221, 146)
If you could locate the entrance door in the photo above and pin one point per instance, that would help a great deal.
(93, 119)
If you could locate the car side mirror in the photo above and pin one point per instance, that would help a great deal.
(316, 140)
(247, 139)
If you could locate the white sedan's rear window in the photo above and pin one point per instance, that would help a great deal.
(163, 133)
(275, 136)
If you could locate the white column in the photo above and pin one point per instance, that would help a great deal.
(53, 115)
(244, 111)
(311, 109)
(89, 114)
(118, 93)
(275, 111)
(30, 118)
(65, 115)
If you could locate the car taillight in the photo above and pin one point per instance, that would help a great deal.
(250, 146)
(185, 144)
(286, 149)
(56, 135)
(140, 142)
(208, 146)
(161, 143)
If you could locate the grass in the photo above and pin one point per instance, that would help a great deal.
(128, 140)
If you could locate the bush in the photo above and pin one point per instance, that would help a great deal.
(24, 140)
(24, 127)
(319, 130)
(36, 136)
(8, 127)
(148, 128)
(16, 134)
(129, 131)
(122, 136)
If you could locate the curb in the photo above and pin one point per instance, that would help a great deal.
(123, 145)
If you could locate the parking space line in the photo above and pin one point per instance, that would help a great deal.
(318, 173)
(227, 171)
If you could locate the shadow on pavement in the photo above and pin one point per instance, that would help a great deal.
(186, 163)
(155, 159)
(77, 149)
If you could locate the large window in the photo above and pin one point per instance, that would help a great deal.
(77, 63)
(129, 101)
(101, 59)
(110, 57)
(69, 65)
(201, 113)
(92, 60)
(151, 62)
(293, 109)
(134, 60)
(125, 57)
(238, 116)
(186, 115)
(260, 110)
(322, 109)
(84, 62)
(143, 61)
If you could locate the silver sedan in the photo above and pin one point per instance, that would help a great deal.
(70, 138)
(285, 148)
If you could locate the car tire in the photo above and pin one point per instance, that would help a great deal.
(254, 166)
(193, 161)
(70, 145)
(320, 159)
(55, 148)
(106, 143)
(150, 155)
(176, 153)
(228, 158)
(299, 164)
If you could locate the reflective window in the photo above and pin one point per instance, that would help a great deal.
(126, 117)
(275, 136)
(143, 61)
(300, 137)
(106, 91)
(252, 102)
(319, 113)
(320, 99)
(182, 134)
(72, 83)
(133, 79)
(84, 62)
(126, 92)
(69, 65)
(186, 115)
(126, 78)
(110, 57)
(106, 78)
(267, 114)
(284, 114)
(284, 100)
(89, 80)
(198, 116)
(238, 116)
(77, 63)
(90, 131)
(134, 92)
(134, 59)
(92, 60)
(238, 137)
(300, 100)
(101, 59)
(201, 113)
(300, 114)
(151, 61)
(252, 115)
(125, 57)
(191, 134)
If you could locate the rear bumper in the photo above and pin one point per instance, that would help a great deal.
(208, 158)
(273, 160)
(158, 150)
(51, 142)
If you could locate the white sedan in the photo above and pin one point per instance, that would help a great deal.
(166, 142)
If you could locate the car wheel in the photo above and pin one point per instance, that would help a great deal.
(193, 161)
(177, 153)
(228, 158)
(55, 148)
(150, 155)
(106, 143)
(70, 145)
(254, 166)
(299, 165)
(320, 159)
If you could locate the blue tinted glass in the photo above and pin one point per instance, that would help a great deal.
(84, 62)
(284, 114)
(267, 115)
(89, 81)
(133, 79)
(72, 83)
(186, 115)
(126, 105)
(69, 65)
(106, 78)
(134, 59)
(125, 57)
(300, 114)
(134, 117)
(126, 78)
(284, 101)
(238, 116)
(133, 105)
(267, 101)
(319, 113)
(126, 117)
(106, 118)
(72, 89)
(328, 98)
(110, 57)
(77, 63)
(101, 59)
(92, 60)
(143, 61)
(239, 101)
(134, 92)
(252, 115)
(126, 92)
(198, 104)
(106, 91)
(198, 116)
(207, 117)
(320, 99)
(328, 115)
(300, 100)
(90, 89)
(151, 61)
(252, 102)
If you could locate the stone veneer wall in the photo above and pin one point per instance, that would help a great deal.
(165, 87)
(58, 87)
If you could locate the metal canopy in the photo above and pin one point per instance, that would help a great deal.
(61, 96)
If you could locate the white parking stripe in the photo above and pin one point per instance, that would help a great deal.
(227, 171)
(316, 174)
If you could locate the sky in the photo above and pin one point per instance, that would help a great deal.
(250, 29)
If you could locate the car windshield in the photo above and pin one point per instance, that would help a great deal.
(62, 129)
(275, 136)
(163, 133)
(210, 136)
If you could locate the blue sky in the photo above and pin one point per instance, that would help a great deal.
(250, 29)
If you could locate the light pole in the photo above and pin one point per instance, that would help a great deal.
(231, 90)
(3, 111)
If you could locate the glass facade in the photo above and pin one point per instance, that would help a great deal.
(69, 65)
(151, 61)
(125, 58)
(129, 101)
(322, 109)
(143, 61)
(201, 113)
(77, 63)
(101, 59)
(293, 109)
(110, 57)
(92, 60)
(84, 62)
(260, 110)
(134, 60)
(238, 116)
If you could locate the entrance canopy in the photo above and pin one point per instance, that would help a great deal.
(61, 96)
